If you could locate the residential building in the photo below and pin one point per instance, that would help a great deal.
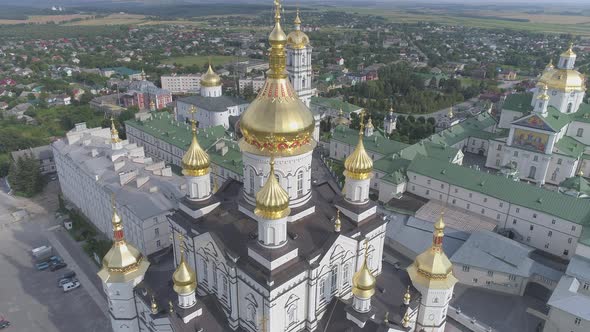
(256, 83)
(42, 153)
(146, 96)
(181, 83)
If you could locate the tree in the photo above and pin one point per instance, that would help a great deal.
(25, 177)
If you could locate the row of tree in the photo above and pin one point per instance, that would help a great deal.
(25, 177)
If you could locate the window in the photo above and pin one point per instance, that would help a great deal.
(532, 172)
(546, 245)
(512, 277)
(483, 211)
(517, 210)
(454, 201)
(498, 216)
(577, 321)
(569, 108)
(442, 186)
(158, 244)
(586, 286)
(157, 231)
(456, 190)
(490, 273)
(427, 192)
(566, 252)
(531, 227)
(573, 228)
(427, 181)
(580, 132)
(292, 314)
(534, 215)
(300, 183)
(569, 240)
(485, 199)
(475, 280)
(501, 204)
(413, 188)
(334, 278)
(252, 181)
(468, 206)
(513, 221)
(465, 268)
(345, 273)
(550, 233)
(252, 313)
(205, 272)
(559, 161)
(470, 195)
(497, 162)
(528, 239)
(322, 289)
(516, 153)
(224, 281)
(536, 158)
(214, 278)
(499, 147)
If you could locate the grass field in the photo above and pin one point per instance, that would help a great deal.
(543, 23)
(199, 60)
(113, 19)
(43, 19)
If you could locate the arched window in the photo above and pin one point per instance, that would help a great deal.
(252, 181)
(300, 183)
(225, 290)
(345, 273)
(303, 83)
(251, 313)
(580, 132)
(205, 271)
(532, 172)
(334, 284)
(292, 314)
(214, 277)
(569, 108)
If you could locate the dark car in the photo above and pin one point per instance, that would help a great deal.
(4, 323)
(68, 275)
(57, 266)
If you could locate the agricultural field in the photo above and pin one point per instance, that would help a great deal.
(44, 19)
(198, 60)
(113, 19)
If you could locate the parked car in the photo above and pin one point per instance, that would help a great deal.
(4, 323)
(68, 275)
(57, 266)
(71, 286)
(61, 282)
(55, 259)
(42, 266)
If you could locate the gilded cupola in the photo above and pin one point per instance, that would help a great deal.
(358, 165)
(272, 201)
(569, 52)
(114, 132)
(123, 262)
(432, 268)
(297, 39)
(543, 95)
(363, 281)
(277, 121)
(195, 161)
(210, 78)
(184, 278)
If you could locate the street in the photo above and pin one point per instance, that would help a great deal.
(31, 300)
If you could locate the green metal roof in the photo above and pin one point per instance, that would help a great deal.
(577, 183)
(471, 127)
(231, 160)
(124, 71)
(519, 102)
(551, 202)
(334, 103)
(569, 146)
(583, 114)
(376, 143)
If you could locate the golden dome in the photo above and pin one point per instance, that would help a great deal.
(407, 296)
(114, 132)
(272, 201)
(358, 165)
(277, 121)
(363, 281)
(341, 119)
(432, 268)
(123, 261)
(210, 79)
(369, 124)
(550, 65)
(154, 306)
(569, 52)
(337, 222)
(297, 39)
(184, 278)
(563, 80)
(543, 95)
(195, 161)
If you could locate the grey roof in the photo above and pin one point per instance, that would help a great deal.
(146, 87)
(39, 152)
(416, 235)
(145, 201)
(579, 267)
(213, 104)
(491, 251)
(565, 297)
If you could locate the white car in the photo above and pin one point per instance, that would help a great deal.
(70, 286)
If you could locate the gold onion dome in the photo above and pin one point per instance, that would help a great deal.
(543, 95)
(184, 278)
(358, 165)
(563, 80)
(432, 268)
(550, 65)
(123, 261)
(277, 121)
(114, 132)
(569, 52)
(407, 296)
(370, 123)
(272, 201)
(363, 281)
(297, 39)
(195, 161)
(210, 78)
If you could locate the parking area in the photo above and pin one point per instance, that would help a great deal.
(31, 299)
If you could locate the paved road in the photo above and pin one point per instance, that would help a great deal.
(30, 299)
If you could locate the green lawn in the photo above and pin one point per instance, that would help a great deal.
(199, 60)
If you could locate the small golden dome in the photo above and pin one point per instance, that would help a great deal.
(272, 201)
(550, 65)
(184, 278)
(277, 121)
(114, 132)
(195, 161)
(569, 52)
(432, 268)
(543, 95)
(363, 281)
(580, 173)
(369, 124)
(563, 80)
(358, 165)
(297, 20)
(123, 261)
(154, 305)
(297, 39)
(337, 222)
(341, 119)
(210, 79)
(407, 296)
